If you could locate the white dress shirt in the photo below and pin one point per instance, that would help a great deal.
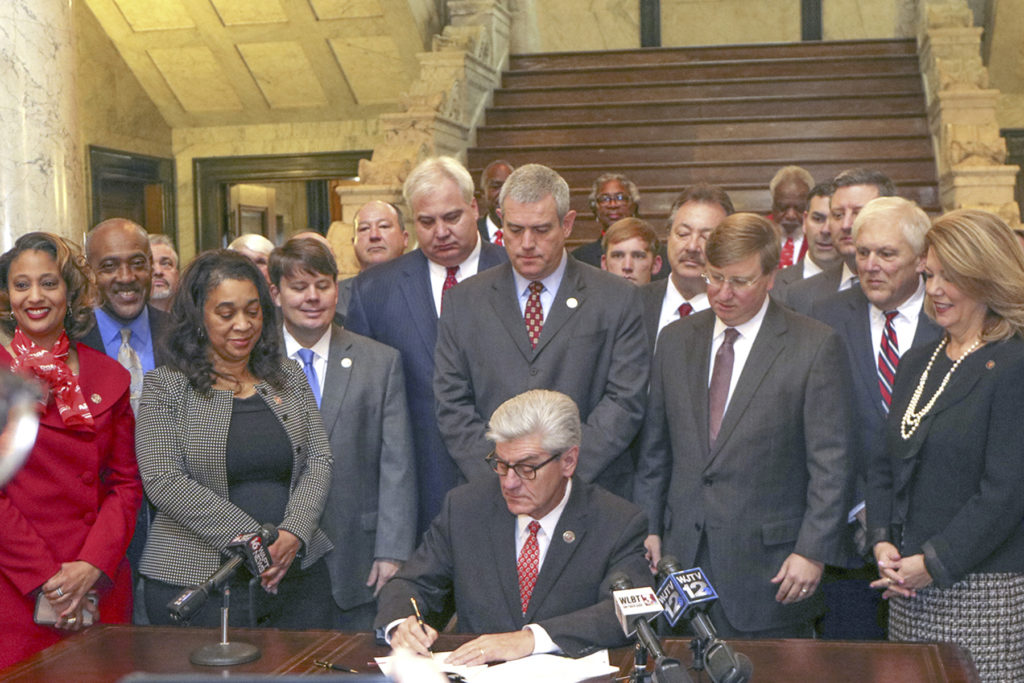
(905, 322)
(811, 268)
(847, 278)
(741, 348)
(320, 351)
(674, 299)
(547, 295)
(439, 273)
(492, 228)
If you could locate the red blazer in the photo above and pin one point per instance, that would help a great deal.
(75, 498)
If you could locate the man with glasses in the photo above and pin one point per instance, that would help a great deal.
(744, 464)
(525, 555)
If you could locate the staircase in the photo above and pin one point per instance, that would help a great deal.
(729, 115)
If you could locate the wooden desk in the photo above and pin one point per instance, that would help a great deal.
(104, 653)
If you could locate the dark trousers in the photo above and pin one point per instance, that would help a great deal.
(358, 618)
(853, 609)
(303, 601)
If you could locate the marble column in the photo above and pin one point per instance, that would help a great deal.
(41, 168)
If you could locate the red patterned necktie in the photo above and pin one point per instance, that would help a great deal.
(449, 282)
(534, 315)
(888, 359)
(786, 259)
(528, 565)
(498, 239)
(685, 309)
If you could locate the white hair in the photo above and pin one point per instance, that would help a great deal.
(551, 415)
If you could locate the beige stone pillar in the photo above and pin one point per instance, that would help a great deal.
(41, 169)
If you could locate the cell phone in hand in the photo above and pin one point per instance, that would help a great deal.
(45, 615)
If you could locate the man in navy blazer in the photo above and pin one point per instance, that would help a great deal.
(397, 303)
(889, 237)
(543, 321)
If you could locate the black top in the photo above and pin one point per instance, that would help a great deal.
(259, 460)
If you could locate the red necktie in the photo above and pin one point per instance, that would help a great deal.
(888, 359)
(528, 565)
(534, 314)
(498, 238)
(721, 376)
(787, 253)
(449, 282)
(685, 309)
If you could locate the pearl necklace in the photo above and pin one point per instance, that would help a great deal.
(912, 417)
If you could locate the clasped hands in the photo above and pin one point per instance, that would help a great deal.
(902, 576)
(494, 647)
(66, 591)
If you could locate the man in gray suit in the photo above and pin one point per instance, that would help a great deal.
(370, 514)
(852, 190)
(543, 321)
(527, 555)
(744, 462)
(821, 249)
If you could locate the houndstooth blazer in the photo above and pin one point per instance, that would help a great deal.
(181, 441)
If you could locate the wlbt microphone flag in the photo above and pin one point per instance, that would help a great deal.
(682, 592)
(633, 604)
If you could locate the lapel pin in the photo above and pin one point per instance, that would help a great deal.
(572, 302)
(96, 398)
(991, 364)
(568, 536)
(346, 362)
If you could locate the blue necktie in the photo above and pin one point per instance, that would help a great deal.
(307, 367)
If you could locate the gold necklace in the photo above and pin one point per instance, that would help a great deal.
(912, 416)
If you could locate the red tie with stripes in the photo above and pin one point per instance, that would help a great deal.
(888, 359)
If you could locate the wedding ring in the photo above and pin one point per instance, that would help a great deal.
(60, 592)
(482, 652)
(803, 590)
(71, 620)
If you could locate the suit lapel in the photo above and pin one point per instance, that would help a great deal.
(697, 378)
(858, 331)
(415, 287)
(572, 287)
(505, 302)
(568, 536)
(337, 377)
(767, 345)
(503, 550)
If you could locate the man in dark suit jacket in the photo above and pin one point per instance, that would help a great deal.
(889, 234)
(532, 571)
(380, 236)
(584, 338)
(747, 475)
(853, 189)
(491, 179)
(370, 514)
(817, 235)
(398, 303)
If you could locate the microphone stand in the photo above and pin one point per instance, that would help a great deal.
(639, 673)
(224, 653)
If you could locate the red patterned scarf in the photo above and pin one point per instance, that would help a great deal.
(51, 367)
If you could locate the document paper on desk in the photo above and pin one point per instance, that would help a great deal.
(536, 669)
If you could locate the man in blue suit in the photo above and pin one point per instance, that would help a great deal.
(398, 303)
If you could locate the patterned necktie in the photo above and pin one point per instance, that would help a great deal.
(498, 238)
(449, 282)
(528, 565)
(888, 359)
(534, 314)
(721, 376)
(685, 309)
(786, 259)
(130, 361)
(307, 356)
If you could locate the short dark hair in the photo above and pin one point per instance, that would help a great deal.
(303, 253)
(82, 293)
(188, 344)
(825, 190)
(702, 193)
(865, 176)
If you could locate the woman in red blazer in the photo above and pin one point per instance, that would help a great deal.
(68, 514)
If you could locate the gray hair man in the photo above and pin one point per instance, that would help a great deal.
(166, 272)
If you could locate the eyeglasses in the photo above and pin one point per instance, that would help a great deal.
(523, 471)
(736, 283)
(609, 198)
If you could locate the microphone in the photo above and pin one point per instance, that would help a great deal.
(249, 549)
(633, 607)
(687, 594)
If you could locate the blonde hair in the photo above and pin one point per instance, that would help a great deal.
(981, 256)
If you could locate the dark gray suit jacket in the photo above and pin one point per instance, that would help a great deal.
(776, 481)
(800, 296)
(653, 295)
(371, 508)
(592, 347)
(159, 326)
(470, 553)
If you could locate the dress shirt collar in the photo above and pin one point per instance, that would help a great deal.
(548, 522)
(551, 282)
(467, 268)
(321, 348)
(492, 228)
(811, 268)
(846, 278)
(747, 330)
(110, 329)
(909, 309)
(674, 298)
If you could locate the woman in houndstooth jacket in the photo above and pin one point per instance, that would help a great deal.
(228, 437)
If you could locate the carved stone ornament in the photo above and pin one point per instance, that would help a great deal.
(961, 74)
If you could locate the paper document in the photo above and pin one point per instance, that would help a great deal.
(536, 668)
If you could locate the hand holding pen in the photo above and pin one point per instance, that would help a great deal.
(413, 633)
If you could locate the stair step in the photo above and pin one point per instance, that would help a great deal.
(645, 56)
(812, 85)
(650, 110)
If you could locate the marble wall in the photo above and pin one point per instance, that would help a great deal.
(41, 170)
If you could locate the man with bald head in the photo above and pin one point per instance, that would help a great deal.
(380, 236)
(127, 326)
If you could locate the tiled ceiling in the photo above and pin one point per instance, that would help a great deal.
(240, 62)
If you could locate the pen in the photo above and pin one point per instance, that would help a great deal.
(327, 665)
(419, 617)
